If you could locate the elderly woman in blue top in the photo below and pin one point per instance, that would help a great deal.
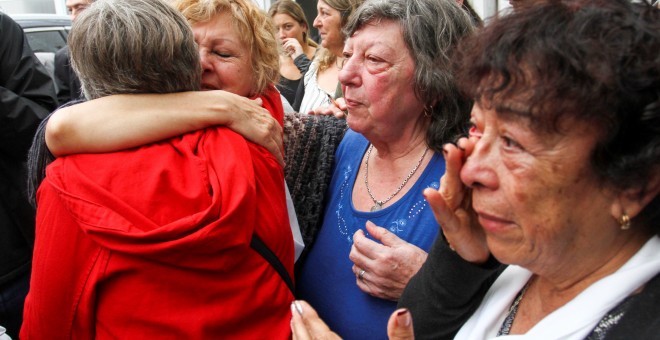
(403, 105)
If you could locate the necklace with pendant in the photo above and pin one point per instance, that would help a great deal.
(378, 205)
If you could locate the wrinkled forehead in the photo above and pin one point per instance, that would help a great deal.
(378, 30)
(515, 95)
(221, 27)
(528, 106)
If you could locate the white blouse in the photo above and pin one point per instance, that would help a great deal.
(314, 95)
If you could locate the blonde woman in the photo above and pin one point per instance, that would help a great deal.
(321, 82)
(297, 48)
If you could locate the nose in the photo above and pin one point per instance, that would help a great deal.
(204, 60)
(349, 73)
(74, 14)
(478, 172)
(317, 22)
(280, 33)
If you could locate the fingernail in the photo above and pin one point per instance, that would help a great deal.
(403, 317)
(296, 307)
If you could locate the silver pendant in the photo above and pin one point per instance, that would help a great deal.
(376, 207)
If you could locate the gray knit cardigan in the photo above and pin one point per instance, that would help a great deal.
(310, 143)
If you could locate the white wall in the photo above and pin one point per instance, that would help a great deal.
(264, 4)
(488, 8)
(28, 6)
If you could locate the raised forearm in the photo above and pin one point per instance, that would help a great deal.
(124, 121)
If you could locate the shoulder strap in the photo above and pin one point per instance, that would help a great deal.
(260, 247)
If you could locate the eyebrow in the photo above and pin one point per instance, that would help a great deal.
(511, 110)
(223, 40)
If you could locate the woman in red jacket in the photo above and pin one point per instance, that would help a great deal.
(155, 242)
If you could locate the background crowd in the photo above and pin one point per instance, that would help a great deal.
(489, 180)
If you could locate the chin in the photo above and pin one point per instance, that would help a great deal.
(353, 123)
(503, 251)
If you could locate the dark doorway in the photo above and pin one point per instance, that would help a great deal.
(309, 6)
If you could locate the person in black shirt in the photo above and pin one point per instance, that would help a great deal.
(27, 95)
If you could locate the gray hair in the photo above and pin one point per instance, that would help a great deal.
(431, 30)
(133, 46)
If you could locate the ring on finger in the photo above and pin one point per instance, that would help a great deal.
(361, 274)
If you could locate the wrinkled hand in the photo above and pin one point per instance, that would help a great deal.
(452, 208)
(292, 47)
(255, 123)
(337, 109)
(306, 324)
(388, 266)
(399, 326)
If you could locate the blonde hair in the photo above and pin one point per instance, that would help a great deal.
(345, 7)
(257, 33)
(292, 9)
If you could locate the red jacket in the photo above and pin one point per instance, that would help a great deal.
(153, 243)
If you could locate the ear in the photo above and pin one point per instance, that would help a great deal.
(633, 201)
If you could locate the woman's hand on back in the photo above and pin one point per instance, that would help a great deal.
(253, 122)
(119, 122)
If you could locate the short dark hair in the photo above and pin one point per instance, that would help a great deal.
(594, 61)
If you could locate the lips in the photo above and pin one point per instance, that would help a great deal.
(350, 103)
(492, 223)
(208, 87)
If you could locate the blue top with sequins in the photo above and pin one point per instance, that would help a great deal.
(326, 279)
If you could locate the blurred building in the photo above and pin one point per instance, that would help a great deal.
(488, 8)
(33, 6)
(485, 8)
